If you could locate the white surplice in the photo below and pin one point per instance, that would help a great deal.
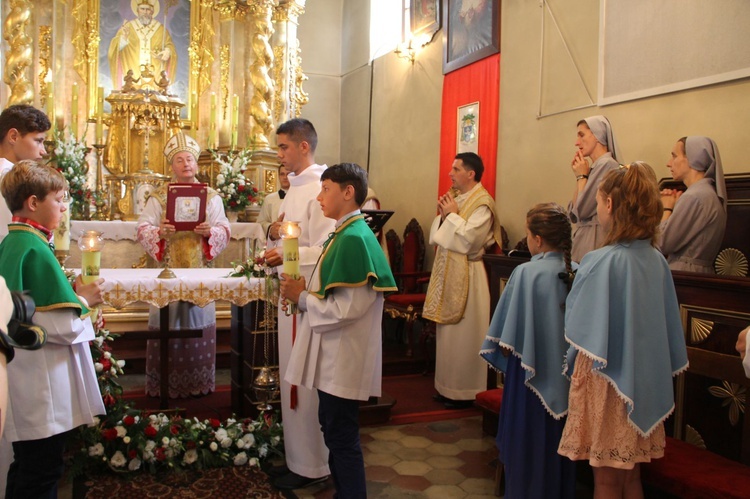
(306, 453)
(459, 371)
(5, 215)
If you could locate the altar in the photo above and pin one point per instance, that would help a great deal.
(122, 251)
(125, 287)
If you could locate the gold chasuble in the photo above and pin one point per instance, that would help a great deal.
(185, 248)
(449, 284)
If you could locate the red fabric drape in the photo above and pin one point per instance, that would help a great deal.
(480, 82)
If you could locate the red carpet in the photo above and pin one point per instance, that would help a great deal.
(414, 403)
(413, 394)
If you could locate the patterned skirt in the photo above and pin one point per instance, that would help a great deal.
(598, 428)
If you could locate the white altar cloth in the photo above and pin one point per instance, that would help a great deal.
(123, 287)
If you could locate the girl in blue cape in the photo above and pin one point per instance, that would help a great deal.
(528, 323)
(622, 321)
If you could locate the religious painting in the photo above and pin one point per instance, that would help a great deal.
(425, 17)
(471, 31)
(134, 33)
(467, 128)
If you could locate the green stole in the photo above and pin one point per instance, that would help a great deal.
(351, 258)
(448, 289)
(28, 264)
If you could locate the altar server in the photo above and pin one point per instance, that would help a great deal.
(55, 389)
(306, 453)
(192, 361)
(341, 353)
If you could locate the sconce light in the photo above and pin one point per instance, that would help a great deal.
(408, 50)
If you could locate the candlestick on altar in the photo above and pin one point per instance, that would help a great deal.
(166, 272)
(50, 102)
(212, 139)
(62, 235)
(90, 243)
(99, 201)
(289, 233)
(99, 115)
(74, 110)
(235, 120)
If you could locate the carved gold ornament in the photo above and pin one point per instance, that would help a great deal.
(45, 61)
(224, 78)
(262, 98)
(731, 262)
(18, 58)
(700, 330)
(733, 395)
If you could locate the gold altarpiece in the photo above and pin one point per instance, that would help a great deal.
(241, 54)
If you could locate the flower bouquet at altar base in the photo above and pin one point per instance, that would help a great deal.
(252, 267)
(236, 191)
(69, 157)
(127, 439)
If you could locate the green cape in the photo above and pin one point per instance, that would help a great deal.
(351, 258)
(28, 264)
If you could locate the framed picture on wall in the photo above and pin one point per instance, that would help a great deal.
(425, 17)
(471, 31)
(467, 128)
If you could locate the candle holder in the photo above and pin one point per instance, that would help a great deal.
(166, 272)
(91, 243)
(289, 233)
(99, 201)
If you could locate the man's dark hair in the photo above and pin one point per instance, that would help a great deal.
(24, 118)
(348, 174)
(472, 162)
(300, 129)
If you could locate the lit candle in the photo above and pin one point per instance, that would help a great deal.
(62, 232)
(194, 112)
(289, 233)
(74, 110)
(235, 119)
(99, 115)
(212, 123)
(90, 244)
(50, 101)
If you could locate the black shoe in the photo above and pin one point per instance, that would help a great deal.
(458, 404)
(277, 471)
(292, 481)
(439, 398)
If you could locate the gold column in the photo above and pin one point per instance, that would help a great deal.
(19, 56)
(45, 61)
(287, 70)
(262, 97)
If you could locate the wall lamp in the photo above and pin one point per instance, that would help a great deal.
(408, 50)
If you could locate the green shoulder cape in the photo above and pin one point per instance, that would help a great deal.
(352, 257)
(28, 264)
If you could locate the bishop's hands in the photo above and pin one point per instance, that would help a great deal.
(446, 205)
(290, 290)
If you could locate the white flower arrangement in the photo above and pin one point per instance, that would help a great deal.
(236, 191)
(69, 157)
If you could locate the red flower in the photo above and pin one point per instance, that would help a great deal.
(128, 420)
(241, 188)
(190, 445)
(108, 400)
(132, 453)
(150, 431)
(159, 453)
(174, 429)
(106, 364)
(109, 434)
(215, 423)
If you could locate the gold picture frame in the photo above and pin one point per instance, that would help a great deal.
(89, 47)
